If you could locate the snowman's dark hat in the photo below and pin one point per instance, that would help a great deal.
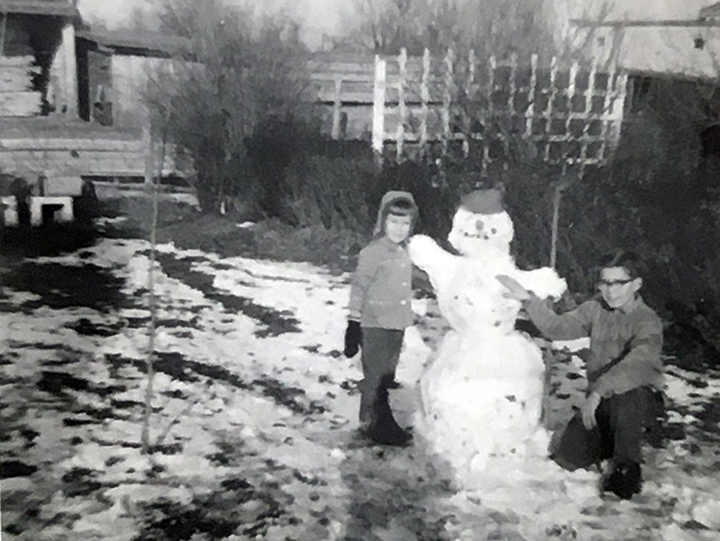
(483, 201)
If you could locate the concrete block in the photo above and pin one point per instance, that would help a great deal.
(60, 207)
(9, 210)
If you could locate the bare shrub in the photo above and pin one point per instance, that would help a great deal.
(249, 74)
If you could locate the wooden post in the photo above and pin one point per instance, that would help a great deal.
(470, 99)
(551, 92)
(562, 183)
(557, 195)
(570, 94)
(3, 26)
(618, 108)
(530, 111)
(513, 83)
(402, 64)
(589, 92)
(425, 99)
(511, 97)
(447, 97)
(378, 132)
(70, 87)
(488, 120)
(148, 146)
(337, 109)
(606, 112)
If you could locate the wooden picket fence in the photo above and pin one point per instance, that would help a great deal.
(566, 114)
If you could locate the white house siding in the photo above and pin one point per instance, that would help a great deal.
(672, 51)
(661, 50)
(130, 75)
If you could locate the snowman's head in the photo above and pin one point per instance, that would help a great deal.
(481, 225)
(475, 234)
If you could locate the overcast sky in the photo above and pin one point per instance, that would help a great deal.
(320, 17)
(316, 16)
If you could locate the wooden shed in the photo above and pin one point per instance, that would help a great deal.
(37, 60)
(114, 68)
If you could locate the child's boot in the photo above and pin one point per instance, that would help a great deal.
(625, 480)
(384, 429)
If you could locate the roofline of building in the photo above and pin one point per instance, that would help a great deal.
(55, 9)
(143, 44)
(627, 23)
(712, 11)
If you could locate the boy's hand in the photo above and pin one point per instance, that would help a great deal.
(588, 410)
(353, 338)
(514, 289)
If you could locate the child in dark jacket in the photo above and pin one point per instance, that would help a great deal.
(380, 310)
(624, 371)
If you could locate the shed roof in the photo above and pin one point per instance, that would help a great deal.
(58, 8)
(710, 12)
(139, 43)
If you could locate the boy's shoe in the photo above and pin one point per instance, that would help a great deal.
(393, 384)
(625, 480)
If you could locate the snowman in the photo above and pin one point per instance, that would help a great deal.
(481, 395)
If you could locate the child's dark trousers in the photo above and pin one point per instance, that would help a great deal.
(622, 421)
(380, 355)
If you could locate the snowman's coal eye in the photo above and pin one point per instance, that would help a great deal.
(493, 231)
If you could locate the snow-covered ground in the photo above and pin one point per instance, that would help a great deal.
(254, 415)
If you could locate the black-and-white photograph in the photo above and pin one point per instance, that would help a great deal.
(359, 270)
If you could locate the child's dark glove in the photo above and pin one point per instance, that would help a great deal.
(353, 338)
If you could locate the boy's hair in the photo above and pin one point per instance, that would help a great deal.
(626, 259)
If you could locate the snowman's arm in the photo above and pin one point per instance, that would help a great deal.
(543, 282)
(428, 256)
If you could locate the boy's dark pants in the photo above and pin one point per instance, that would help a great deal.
(380, 355)
(621, 423)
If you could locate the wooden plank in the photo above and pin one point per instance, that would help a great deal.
(470, 90)
(15, 81)
(425, 97)
(16, 61)
(618, 108)
(492, 67)
(570, 92)
(659, 23)
(513, 66)
(340, 70)
(552, 92)
(347, 97)
(447, 99)
(606, 114)
(337, 109)
(20, 103)
(67, 145)
(402, 60)
(378, 124)
(530, 112)
(329, 77)
(90, 163)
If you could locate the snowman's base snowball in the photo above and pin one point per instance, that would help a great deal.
(482, 398)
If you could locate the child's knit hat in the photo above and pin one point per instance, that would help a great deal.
(388, 200)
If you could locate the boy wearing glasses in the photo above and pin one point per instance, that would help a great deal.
(624, 371)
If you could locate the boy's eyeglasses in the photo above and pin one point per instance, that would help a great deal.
(609, 283)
